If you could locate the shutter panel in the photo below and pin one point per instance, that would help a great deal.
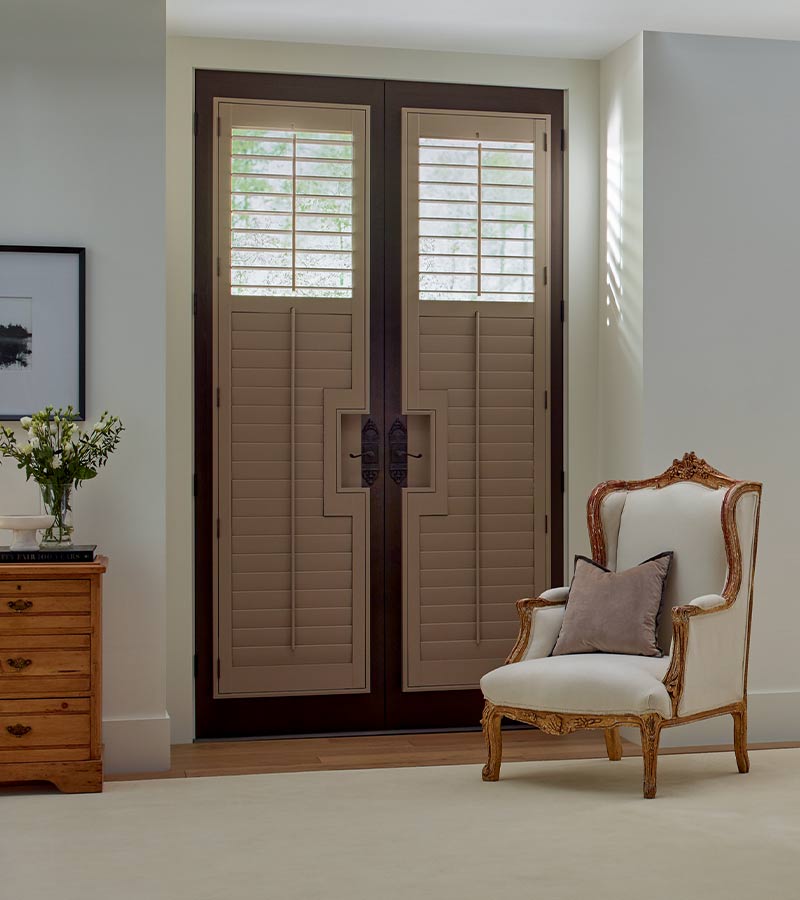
(476, 188)
(464, 626)
(292, 323)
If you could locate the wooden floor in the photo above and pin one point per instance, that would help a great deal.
(385, 751)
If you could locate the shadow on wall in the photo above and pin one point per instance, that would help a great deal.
(620, 313)
(623, 246)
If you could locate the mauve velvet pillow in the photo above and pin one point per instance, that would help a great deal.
(614, 612)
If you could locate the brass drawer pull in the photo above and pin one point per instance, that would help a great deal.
(19, 730)
(20, 605)
(19, 663)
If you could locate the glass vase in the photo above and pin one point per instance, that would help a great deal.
(57, 502)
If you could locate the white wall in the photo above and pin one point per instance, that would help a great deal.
(620, 362)
(82, 163)
(722, 224)
(579, 78)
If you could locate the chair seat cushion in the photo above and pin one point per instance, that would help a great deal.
(595, 683)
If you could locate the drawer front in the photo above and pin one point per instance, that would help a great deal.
(34, 606)
(42, 586)
(43, 666)
(44, 729)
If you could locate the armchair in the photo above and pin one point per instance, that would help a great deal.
(710, 521)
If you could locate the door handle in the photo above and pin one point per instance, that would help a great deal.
(398, 452)
(370, 455)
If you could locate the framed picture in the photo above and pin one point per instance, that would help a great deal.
(42, 329)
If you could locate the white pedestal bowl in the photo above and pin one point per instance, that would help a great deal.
(24, 529)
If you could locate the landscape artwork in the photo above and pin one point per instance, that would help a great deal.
(16, 333)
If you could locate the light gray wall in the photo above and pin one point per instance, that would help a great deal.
(619, 330)
(722, 310)
(82, 163)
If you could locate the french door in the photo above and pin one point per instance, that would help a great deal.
(378, 395)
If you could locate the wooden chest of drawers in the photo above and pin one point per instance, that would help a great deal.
(50, 674)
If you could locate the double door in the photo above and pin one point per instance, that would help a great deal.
(377, 265)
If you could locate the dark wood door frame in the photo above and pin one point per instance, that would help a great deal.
(386, 707)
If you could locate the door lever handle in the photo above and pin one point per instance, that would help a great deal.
(370, 452)
(398, 452)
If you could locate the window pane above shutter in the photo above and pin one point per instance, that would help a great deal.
(476, 218)
(291, 208)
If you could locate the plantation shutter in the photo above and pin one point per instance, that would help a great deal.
(292, 315)
(476, 364)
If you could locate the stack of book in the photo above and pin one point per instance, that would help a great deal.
(78, 553)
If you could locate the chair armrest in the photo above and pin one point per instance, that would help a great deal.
(709, 602)
(713, 645)
(550, 607)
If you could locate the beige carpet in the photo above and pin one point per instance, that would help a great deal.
(572, 829)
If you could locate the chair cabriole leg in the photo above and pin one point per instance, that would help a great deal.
(492, 721)
(650, 727)
(740, 738)
(613, 743)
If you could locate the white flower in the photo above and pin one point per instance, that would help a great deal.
(26, 449)
(56, 462)
(35, 442)
(26, 421)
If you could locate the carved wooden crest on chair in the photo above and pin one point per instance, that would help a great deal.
(710, 521)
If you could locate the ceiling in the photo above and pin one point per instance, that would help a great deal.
(561, 28)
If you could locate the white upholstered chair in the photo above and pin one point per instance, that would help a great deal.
(710, 521)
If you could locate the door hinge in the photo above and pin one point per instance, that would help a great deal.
(545, 275)
(217, 397)
(219, 668)
(218, 529)
(563, 481)
(219, 126)
(195, 665)
(194, 485)
(545, 142)
(546, 525)
(545, 399)
(561, 310)
(563, 139)
(195, 118)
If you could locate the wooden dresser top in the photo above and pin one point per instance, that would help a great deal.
(53, 570)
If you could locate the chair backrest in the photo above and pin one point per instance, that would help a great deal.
(709, 520)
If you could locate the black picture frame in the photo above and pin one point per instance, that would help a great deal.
(79, 401)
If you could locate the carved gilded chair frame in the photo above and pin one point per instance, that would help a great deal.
(689, 469)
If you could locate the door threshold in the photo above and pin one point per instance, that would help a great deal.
(510, 726)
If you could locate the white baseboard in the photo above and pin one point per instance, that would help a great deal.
(136, 745)
(771, 716)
